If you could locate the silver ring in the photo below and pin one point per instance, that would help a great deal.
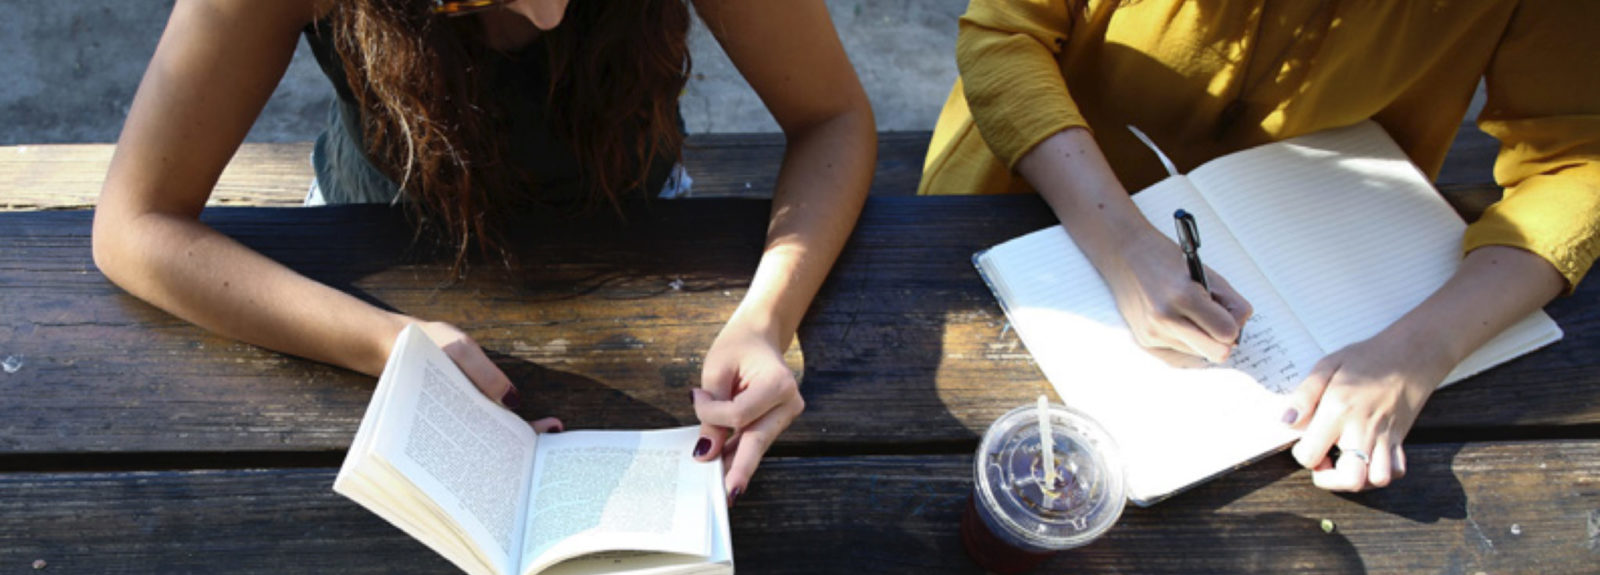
(1359, 454)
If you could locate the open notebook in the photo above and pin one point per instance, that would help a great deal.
(1331, 237)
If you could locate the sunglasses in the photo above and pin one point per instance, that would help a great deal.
(465, 7)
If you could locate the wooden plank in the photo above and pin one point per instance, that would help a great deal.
(1527, 507)
(58, 176)
(62, 176)
(746, 165)
(594, 330)
(723, 165)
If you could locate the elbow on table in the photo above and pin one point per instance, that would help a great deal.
(109, 241)
(119, 241)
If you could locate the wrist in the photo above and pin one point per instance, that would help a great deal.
(382, 340)
(761, 321)
(1424, 343)
(1111, 250)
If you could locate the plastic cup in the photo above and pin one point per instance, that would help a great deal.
(1014, 519)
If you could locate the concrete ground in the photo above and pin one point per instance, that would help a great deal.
(70, 69)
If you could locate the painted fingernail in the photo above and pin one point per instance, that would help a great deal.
(733, 496)
(511, 399)
(556, 429)
(1290, 416)
(702, 447)
(693, 399)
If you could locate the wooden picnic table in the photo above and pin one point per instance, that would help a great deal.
(134, 442)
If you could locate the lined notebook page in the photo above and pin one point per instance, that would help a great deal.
(1349, 231)
(1176, 427)
(1342, 223)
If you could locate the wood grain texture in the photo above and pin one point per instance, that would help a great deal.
(604, 325)
(65, 176)
(60, 176)
(722, 165)
(1477, 508)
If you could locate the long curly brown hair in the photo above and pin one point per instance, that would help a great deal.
(428, 119)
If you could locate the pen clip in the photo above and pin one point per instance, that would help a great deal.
(1188, 232)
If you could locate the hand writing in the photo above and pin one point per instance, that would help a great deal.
(1167, 310)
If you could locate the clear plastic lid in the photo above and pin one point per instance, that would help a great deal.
(1089, 492)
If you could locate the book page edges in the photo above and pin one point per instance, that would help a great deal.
(386, 493)
(1531, 333)
(374, 489)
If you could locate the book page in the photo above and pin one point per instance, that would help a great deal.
(1174, 426)
(598, 491)
(720, 561)
(469, 455)
(1344, 225)
(366, 480)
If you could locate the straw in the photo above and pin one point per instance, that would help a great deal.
(1047, 446)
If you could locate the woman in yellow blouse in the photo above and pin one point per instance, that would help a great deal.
(1046, 86)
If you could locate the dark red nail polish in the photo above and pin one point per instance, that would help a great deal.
(511, 399)
(702, 447)
(691, 397)
(556, 429)
(733, 497)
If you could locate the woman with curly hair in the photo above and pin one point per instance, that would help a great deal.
(470, 112)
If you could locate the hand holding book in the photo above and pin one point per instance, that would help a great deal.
(477, 366)
(473, 482)
(748, 397)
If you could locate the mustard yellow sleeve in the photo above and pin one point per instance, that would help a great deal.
(1544, 107)
(1006, 52)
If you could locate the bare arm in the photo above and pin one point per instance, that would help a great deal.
(1364, 398)
(1145, 270)
(791, 55)
(215, 67)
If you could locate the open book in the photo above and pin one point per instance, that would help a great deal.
(473, 482)
(1331, 237)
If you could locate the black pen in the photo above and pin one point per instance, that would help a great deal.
(1189, 240)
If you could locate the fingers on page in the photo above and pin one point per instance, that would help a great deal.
(484, 374)
(1320, 435)
(1308, 395)
(713, 438)
(548, 425)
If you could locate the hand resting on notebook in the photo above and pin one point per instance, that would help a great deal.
(1364, 398)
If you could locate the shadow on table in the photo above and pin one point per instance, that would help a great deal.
(543, 388)
(1430, 491)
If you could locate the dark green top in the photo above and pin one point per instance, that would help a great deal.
(346, 174)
